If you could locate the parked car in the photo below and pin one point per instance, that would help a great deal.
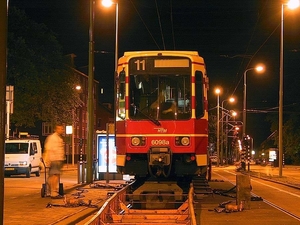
(22, 156)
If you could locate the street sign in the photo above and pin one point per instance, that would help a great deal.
(10, 98)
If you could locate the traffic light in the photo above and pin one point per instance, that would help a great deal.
(245, 153)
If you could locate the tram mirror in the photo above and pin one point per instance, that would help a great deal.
(122, 76)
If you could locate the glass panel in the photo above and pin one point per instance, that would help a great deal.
(159, 96)
(199, 94)
(16, 148)
(121, 95)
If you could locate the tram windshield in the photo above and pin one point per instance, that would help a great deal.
(160, 96)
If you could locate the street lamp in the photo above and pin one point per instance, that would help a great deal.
(222, 137)
(258, 69)
(292, 4)
(218, 91)
(78, 88)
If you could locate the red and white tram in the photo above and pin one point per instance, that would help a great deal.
(161, 114)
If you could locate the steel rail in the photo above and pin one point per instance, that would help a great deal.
(112, 204)
(115, 205)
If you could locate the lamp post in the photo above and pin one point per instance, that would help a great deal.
(259, 69)
(74, 125)
(292, 4)
(233, 114)
(229, 114)
(108, 3)
(90, 111)
(218, 91)
(222, 127)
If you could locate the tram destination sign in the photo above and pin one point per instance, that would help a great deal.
(159, 64)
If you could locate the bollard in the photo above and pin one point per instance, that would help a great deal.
(83, 178)
(81, 167)
(95, 169)
(79, 172)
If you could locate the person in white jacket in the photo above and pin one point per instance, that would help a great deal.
(54, 159)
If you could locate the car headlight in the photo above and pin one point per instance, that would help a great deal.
(23, 163)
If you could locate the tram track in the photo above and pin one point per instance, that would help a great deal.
(279, 208)
(272, 180)
(124, 209)
(152, 203)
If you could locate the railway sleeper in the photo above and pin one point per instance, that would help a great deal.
(201, 186)
(148, 217)
(157, 195)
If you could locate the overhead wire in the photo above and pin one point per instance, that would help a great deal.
(172, 24)
(159, 21)
(246, 52)
(145, 25)
(160, 24)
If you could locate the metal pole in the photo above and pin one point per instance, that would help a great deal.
(3, 60)
(107, 153)
(73, 137)
(7, 118)
(116, 44)
(218, 130)
(244, 104)
(226, 140)
(280, 120)
(90, 117)
(222, 137)
(116, 69)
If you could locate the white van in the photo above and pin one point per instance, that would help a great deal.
(22, 156)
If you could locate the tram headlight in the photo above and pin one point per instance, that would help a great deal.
(183, 141)
(138, 141)
(135, 141)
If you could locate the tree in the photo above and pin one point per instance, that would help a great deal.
(44, 85)
(291, 133)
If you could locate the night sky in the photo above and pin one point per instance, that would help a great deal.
(231, 36)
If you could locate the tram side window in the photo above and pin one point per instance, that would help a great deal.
(121, 94)
(199, 94)
(122, 85)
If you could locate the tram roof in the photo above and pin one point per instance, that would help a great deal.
(145, 53)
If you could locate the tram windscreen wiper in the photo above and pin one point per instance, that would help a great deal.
(156, 122)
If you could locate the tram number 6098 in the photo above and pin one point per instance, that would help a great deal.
(160, 142)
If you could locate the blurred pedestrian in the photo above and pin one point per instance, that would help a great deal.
(54, 159)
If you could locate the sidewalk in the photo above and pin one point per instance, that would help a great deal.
(290, 174)
(83, 200)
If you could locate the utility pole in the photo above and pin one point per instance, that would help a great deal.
(90, 119)
(3, 53)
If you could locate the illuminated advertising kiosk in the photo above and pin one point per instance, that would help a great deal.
(102, 149)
